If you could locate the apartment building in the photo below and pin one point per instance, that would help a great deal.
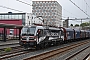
(51, 12)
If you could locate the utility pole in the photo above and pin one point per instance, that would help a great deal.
(67, 23)
(89, 25)
(81, 23)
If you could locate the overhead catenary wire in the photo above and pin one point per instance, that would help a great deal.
(64, 9)
(31, 5)
(79, 8)
(10, 8)
(69, 12)
(78, 19)
(24, 2)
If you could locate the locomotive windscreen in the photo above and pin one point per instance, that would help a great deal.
(28, 31)
(24, 30)
(32, 30)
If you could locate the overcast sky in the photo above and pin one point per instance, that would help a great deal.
(68, 8)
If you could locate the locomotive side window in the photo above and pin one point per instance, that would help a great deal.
(62, 33)
(44, 32)
(40, 32)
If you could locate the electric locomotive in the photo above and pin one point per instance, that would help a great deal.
(40, 36)
(43, 36)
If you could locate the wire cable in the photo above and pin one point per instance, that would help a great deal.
(24, 2)
(78, 19)
(31, 5)
(64, 9)
(79, 8)
(69, 12)
(10, 8)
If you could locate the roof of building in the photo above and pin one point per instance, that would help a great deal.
(10, 13)
(13, 26)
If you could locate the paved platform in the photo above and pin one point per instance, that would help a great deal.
(9, 42)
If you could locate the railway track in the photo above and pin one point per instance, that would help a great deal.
(49, 54)
(13, 54)
(75, 54)
(15, 51)
(9, 44)
(3, 46)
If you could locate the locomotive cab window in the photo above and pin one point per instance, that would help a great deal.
(30, 31)
(40, 32)
(62, 33)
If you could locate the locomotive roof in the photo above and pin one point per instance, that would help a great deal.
(87, 31)
(68, 29)
(52, 28)
(46, 27)
(82, 30)
(77, 30)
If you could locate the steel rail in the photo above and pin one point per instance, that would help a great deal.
(49, 54)
(73, 55)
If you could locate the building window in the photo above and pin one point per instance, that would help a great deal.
(39, 7)
(43, 1)
(13, 17)
(20, 16)
(32, 17)
(40, 2)
(37, 2)
(11, 31)
(29, 22)
(33, 13)
(5, 16)
(28, 17)
(16, 16)
(33, 2)
(46, 4)
(43, 4)
(39, 13)
(0, 17)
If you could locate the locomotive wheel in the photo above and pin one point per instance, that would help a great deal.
(45, 44)
(38, 47)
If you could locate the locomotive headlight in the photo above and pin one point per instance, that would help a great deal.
(35, 39)
(24, 43)
(27, 39)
